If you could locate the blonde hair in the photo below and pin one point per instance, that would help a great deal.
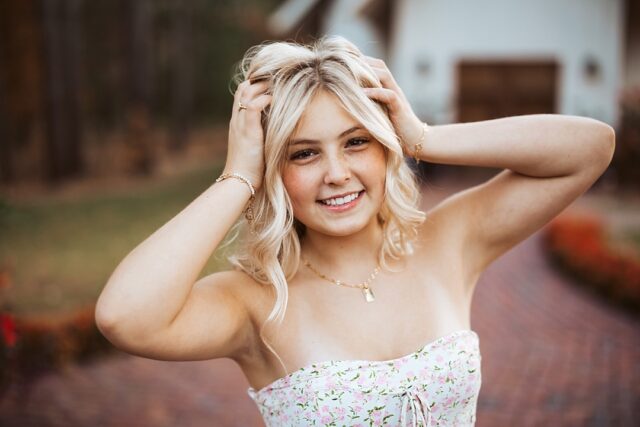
(296, 72)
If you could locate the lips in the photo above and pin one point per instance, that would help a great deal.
(341, 195)
(343, 207)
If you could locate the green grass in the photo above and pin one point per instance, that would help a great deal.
(626, 240)
(634, 236)
(62, 253)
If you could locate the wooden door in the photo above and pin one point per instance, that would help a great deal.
(492, 89)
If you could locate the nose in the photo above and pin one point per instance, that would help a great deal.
(338, 170)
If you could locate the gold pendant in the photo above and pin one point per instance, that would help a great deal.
(368, 294)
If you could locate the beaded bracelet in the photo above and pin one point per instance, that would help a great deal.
(249, 210)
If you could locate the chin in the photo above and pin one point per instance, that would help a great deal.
(338, 229)
(340, 233)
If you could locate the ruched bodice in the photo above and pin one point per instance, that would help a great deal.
(437, 385)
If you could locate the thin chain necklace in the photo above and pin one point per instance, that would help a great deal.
(366, 290)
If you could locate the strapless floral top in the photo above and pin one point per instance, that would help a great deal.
(437, 385)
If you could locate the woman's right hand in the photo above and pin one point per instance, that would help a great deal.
(245, 150)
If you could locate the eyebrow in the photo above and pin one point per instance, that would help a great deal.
(315, 141)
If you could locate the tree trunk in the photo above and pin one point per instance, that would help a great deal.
(61, 49)
(182, 79)
(140, 156)
(6, 156)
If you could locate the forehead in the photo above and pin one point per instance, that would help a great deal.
(322, 117)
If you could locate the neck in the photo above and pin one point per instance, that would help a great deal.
(344, 257)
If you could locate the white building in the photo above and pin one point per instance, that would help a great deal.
(468, 60)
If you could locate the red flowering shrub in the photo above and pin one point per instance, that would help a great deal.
(32, 344)
(8, 338)
(577, 244)
(8, 329)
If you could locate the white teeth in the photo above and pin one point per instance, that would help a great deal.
(340, 200)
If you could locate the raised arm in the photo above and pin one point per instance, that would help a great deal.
(549, 161)
(150, 305)
(536, 145)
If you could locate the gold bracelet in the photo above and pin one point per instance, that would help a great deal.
(249, 210)
(418, 146)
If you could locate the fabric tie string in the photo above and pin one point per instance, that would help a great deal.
(413, 404)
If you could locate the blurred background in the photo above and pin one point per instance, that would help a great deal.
(114, 115)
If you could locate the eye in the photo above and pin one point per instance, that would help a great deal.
(301, 154)
(304, 154)
(358, 141)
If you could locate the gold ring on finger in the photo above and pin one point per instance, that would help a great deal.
(241, 106)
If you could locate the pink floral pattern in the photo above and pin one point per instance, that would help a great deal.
(437, 385)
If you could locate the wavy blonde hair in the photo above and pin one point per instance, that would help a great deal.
(295, 73)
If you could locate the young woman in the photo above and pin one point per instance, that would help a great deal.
(347, 305)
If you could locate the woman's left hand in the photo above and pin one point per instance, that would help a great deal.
(408, 126)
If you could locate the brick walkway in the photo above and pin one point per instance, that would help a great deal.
(552, 354)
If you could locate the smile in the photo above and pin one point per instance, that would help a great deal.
(342, 203)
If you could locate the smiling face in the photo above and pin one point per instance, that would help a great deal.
(332, 155)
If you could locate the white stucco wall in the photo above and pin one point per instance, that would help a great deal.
(440, 32)
(343, 19)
